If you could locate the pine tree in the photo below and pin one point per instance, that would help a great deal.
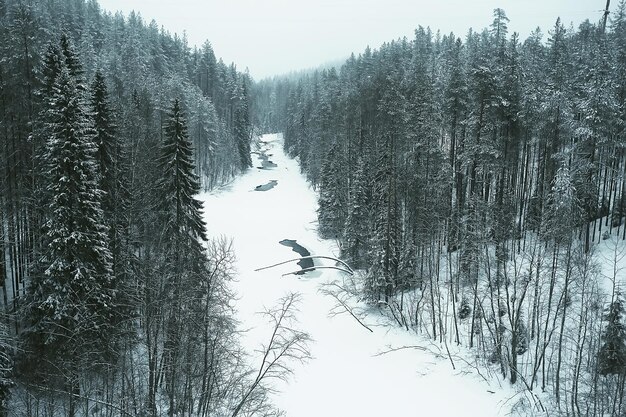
(612, 353)
(555, 107)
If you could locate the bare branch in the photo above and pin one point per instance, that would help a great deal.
(308, 257)
(286, 344)
(343, 304)
(313, 268)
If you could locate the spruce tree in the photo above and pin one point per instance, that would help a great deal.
(113, 182)
(70, 298)
(182, 229)
(563, 212)
(612, 354)
(332, 201)
(180, 211)
(50, 69)
(106, 142)
(48, 73)
(71, 61)
(242, 125)
(385, 247)
(357, 226)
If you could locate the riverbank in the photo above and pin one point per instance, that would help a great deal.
(354, 371)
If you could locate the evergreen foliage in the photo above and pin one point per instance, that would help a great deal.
(112, 164)
(71, 297)
(357, 226)
(612, 353)
(181, 228)
(494, 167)
(83, 141)
(241, 124)
(480, 170)
(385, 237)
(562, 212)
(104, 138)
(331, 211)
(176, 205)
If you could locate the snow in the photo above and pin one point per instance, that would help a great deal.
(353, 372)
(611, 257)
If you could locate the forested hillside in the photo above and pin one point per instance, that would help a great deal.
(112, 302)
(479, 182)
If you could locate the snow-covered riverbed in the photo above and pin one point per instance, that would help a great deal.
(347, 375)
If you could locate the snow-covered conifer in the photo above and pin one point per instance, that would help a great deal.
(332, 204)
(357, 227)
(70, 298)
(612, 354)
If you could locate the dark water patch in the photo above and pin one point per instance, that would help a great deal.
(266, 163)
(300, 250)
(266, 187)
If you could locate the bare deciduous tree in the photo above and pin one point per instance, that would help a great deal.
(287, 345)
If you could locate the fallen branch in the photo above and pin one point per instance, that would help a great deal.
(445, 342)
(346, 307)
(313, 268)
(308, 257)
(400, 348)
(476, 368)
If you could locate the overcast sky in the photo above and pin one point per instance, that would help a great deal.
(272, 37)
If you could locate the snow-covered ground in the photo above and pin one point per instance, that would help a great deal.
(350, 373)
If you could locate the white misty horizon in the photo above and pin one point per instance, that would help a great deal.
(275, 37)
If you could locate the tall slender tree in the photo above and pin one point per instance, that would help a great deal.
(612, 353)
(357, 226)
(70, 298)
(332, 201)
(180, 219)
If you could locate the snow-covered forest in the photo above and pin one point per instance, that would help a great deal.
(110, 127)
(473, 186)
(479, 183)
